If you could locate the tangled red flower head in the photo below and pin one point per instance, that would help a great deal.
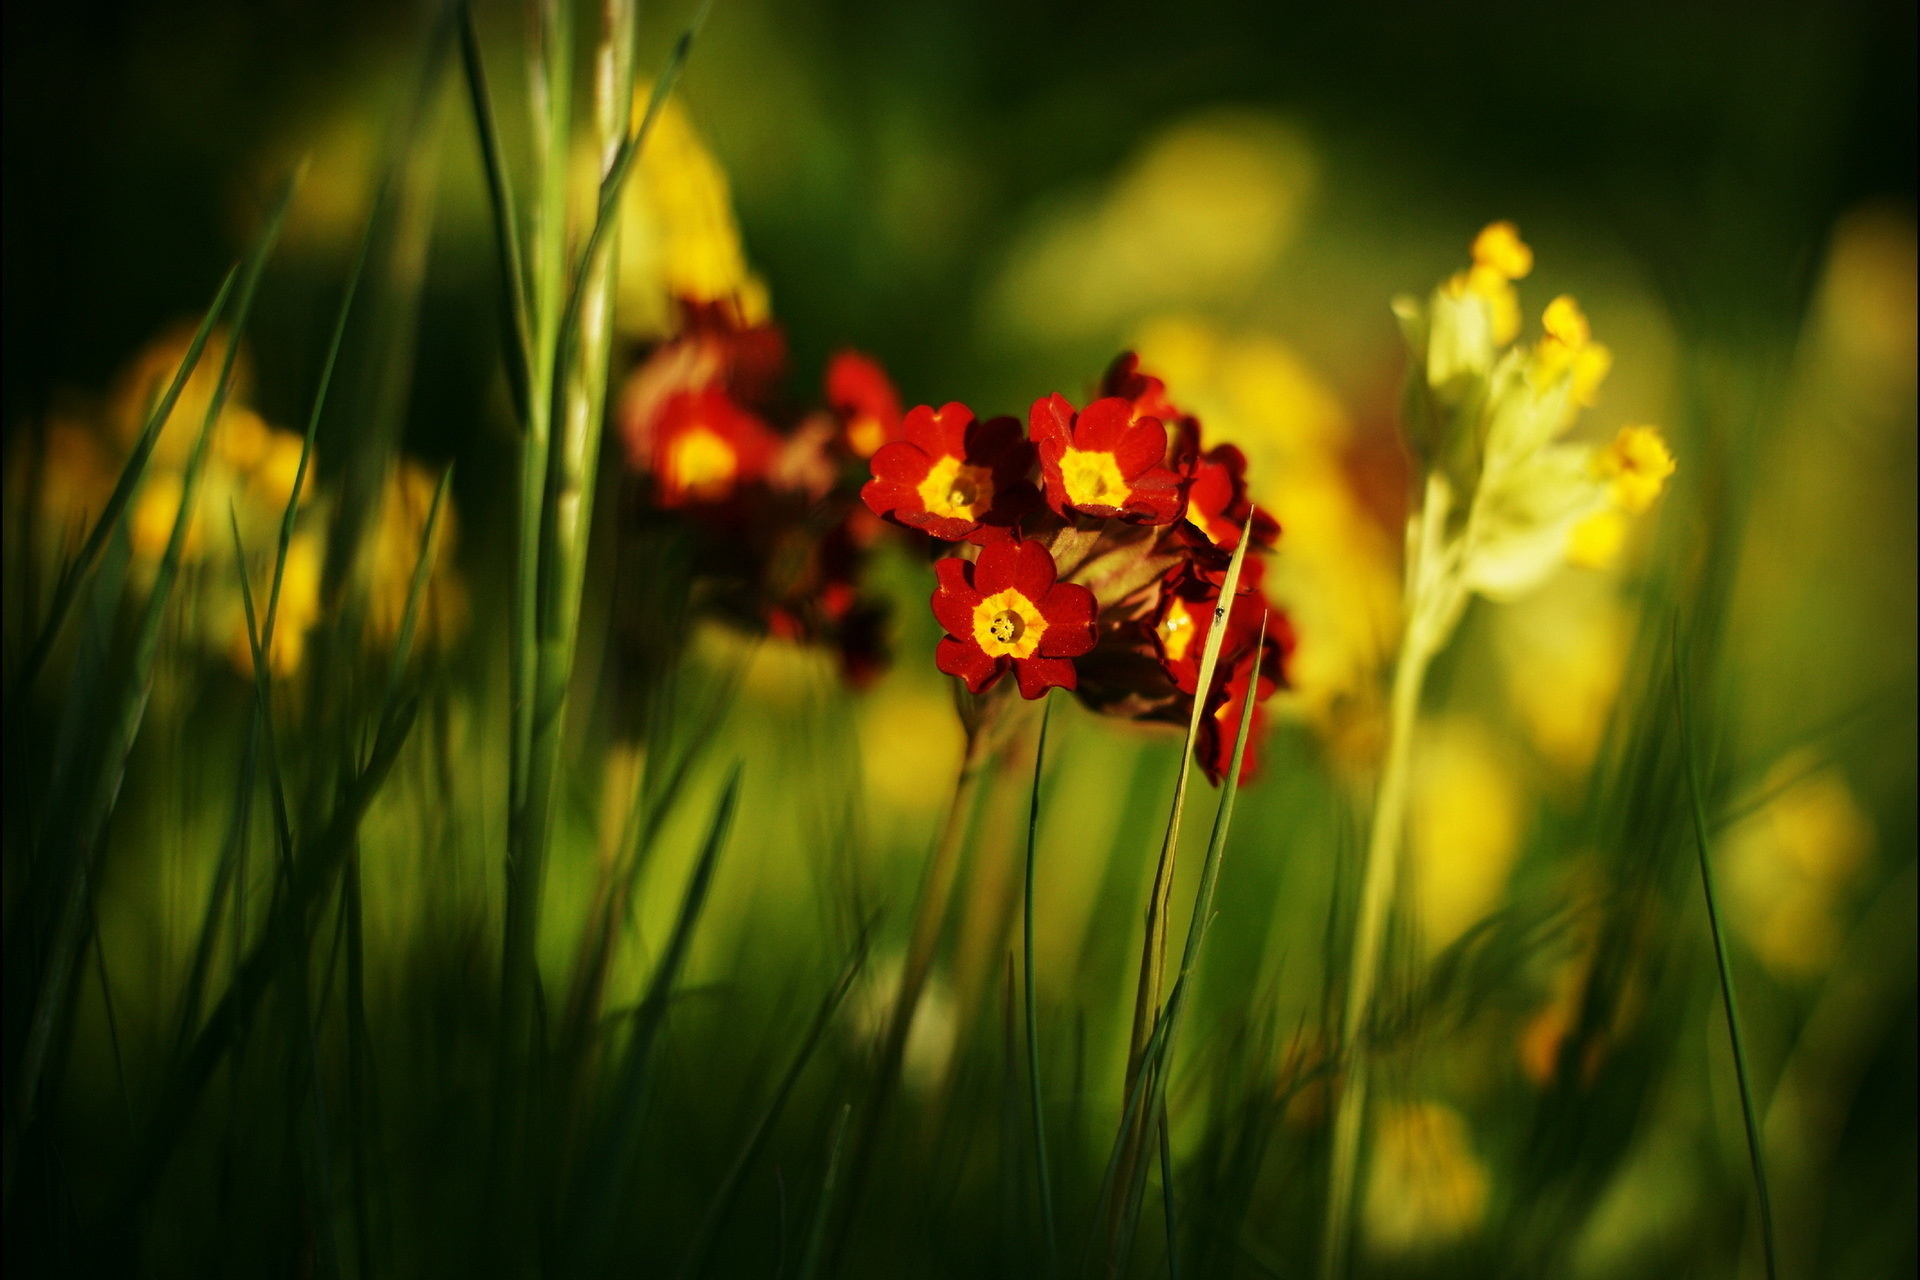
(1007, 611)
(859, 391)
(1218, 505)
(1186, 616)
(954, 476)
(704, 447)
(1256, 674)
(1104, 462)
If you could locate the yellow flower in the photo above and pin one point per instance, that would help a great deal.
(154, 513)
(1500, 248)
(1636, 466)
(1425, 1185)
(1789, 867)
(271, 482)
(1562, 653)
(1596, 541)
(394, 550)
(1464, 828)
(149, 375)
(678, 236)
(299, 609)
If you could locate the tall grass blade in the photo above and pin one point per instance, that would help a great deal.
(85, 802)
(817, 1232)
(417, 590)
(506, 218)
(68, 586)
(1044, 1171)
(1682, 702)
(708, 1231)
(606, 1172)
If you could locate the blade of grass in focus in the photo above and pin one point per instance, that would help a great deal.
(1042, 1170)
(1689, 748)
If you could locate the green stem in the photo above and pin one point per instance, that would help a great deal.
(1033, 1017)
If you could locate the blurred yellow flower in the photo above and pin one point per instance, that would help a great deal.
(1198, 215)
(907, 735)
(1335, 569)
(299, 608)
(1636, 466)
(72, 479)
(150, 525)
(1789, 868)
(1562, 652)
(1500, 248)
(393, 551)
(145, 380)
(678, 236)
(1425, 1186)
(1464, 827)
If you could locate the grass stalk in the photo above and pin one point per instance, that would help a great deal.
(1722, 963)
(1042, 1169)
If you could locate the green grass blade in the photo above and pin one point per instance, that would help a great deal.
(417, 589)
(1044, 1171)
(817, 1232)
(1166, 1193)
(506, 217)
(131, 474)
(607, 1170)
(708, 1231)
(1682, 698)
(92, 797)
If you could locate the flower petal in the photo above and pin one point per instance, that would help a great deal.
(1037, 675)
(969, 662)
(952, 422)
(1050, 423)
(1105, 423)
(1022, 564)
(1069, 610)
(902, 462)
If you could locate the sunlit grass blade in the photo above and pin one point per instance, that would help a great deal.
(708, 1231)
(609, 1166)
(1688, 746)
(822, 1210)
(1043, 1170)
(1166, 1195)
(68, 586)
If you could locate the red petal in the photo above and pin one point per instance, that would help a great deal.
(887, 497)
(1143, 447)
(1069, 609)
(951, 426)
(1022, 564)
(901, 462)
(1050, 421)
(969, 662)
(1103, 424)
(956, 578)
(1037, 675)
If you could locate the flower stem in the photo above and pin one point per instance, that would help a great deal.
(1433, 605)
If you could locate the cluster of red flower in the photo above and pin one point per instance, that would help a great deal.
(770, 489)
(1105, 577)
(1101, 578)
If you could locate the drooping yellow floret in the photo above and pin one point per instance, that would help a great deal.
(1499, 247)
(1636, 465)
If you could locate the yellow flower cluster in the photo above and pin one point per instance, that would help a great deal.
(1494, 413)
(246, 480)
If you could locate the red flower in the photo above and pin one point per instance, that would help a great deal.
(1007, 611)
(1148, 396)
(704, 447)
(953, 476)
(1103, 462)
(1185, 617)
(1256, 676)
(1218, 506)
(860, 392)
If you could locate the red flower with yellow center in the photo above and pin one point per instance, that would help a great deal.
(1103, 462)
(1007, 611)
(704, 447)
(1217, 502)
(1255, 675)
(1148, 395)
(1185, 617)
(954, 476)
(860, 392)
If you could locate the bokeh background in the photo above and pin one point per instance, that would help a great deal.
(993, 199)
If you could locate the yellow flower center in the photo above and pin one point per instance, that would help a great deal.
(1007, 624)
(865, 435)
(701, 462)
(1177, 630)
(1499, 247)
(956, 490)
(1092, 479)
